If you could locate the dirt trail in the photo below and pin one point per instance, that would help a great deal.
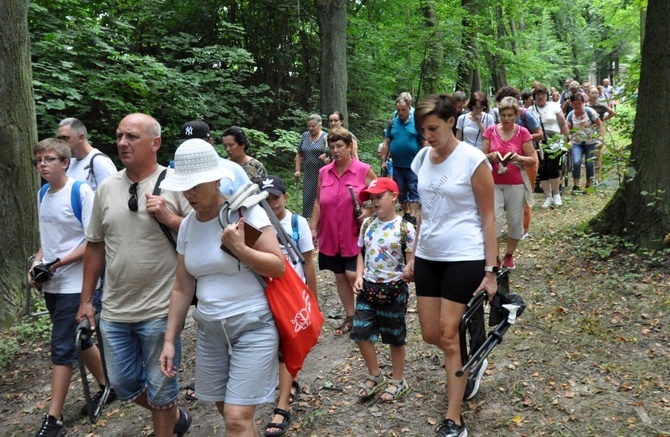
(589, 357)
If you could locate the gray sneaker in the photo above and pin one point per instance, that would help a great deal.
(472, 387)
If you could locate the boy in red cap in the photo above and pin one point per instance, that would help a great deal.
(381, 302)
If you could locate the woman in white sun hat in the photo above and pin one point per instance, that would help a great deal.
(236, 355)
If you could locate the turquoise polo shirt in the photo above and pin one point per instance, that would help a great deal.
(404, 140)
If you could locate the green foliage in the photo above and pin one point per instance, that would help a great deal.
(256, 64)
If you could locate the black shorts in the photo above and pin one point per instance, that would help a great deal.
(456, 281)
(372, 320)
(338, 263)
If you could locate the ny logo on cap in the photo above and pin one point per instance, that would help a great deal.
(188, 131)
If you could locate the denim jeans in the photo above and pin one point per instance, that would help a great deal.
(578, 152)
(132, 351)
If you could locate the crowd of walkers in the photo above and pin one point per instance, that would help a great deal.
(141, 245)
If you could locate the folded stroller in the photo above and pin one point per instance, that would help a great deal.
(504, 310)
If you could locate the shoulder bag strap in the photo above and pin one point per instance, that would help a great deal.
(157, 192)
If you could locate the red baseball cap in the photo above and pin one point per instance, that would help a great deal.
(379, 186)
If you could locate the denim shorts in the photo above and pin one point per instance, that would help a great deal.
(372, 320)
(63, 311)
(132, 351)
(236, 359)
(407, 185)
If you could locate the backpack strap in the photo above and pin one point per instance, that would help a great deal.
(157, 192)
(75, 198)
(91, 171)
(295, 230)
(43, 191)
(523, 117)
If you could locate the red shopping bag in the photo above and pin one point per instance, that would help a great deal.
(297, 316)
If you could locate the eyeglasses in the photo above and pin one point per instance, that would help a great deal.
(63, 137)
(132, 202)
(48, 159)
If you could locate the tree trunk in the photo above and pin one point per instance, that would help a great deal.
(640, 209)
(332, 19)
(18, 134)
(469, 77)
(433, 61)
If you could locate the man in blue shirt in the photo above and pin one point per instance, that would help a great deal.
(403, 142)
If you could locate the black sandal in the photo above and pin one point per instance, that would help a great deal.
(189, 392)
(282, 427)
(293, 396)
(345, 327)
(184, 423)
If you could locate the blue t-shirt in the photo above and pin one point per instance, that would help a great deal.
(404, 141)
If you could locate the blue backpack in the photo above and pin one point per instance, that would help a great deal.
(75, 198)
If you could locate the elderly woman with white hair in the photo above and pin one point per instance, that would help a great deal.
(313, 152)
(236, 355)
(509, 148)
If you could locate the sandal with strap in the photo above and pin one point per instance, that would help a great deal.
(189, 392)
(282, 426)
(184, 423)
(293, 396)
(367, 391)
(395, 389)
(345, 327)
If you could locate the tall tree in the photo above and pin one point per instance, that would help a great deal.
(434, 58)
(18, 133)
(332, 19)
(640, 209)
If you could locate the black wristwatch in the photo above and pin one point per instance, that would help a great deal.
(492, 269)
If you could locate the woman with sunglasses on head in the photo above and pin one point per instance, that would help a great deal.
(471, 126)
(335, 119)
(236, 355)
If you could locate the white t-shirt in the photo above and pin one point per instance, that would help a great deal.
(61, 233)
(141, 263)
(226, 286)
(384, 259)
(547, 114)
(451, 227)
(103, 167)
(304, 238)
(471, 133)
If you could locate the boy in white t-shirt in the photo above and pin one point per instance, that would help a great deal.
(297, 228)
(381, 304)
(63, 213)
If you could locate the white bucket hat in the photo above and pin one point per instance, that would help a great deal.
(195, 162)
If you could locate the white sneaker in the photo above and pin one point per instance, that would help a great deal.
(557, 200)
(548, 202)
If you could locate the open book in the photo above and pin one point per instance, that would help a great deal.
(504, 159)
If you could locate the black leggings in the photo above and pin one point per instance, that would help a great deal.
(550, 167)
